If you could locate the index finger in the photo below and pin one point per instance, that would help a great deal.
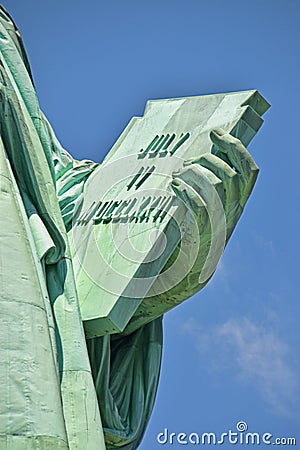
(239, 158)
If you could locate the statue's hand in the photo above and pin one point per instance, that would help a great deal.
(231, 171)
(214, 188)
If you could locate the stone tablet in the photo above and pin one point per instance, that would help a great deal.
(129, 222)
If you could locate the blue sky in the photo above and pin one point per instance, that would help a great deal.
(231, 353)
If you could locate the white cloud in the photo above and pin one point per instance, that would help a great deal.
(257, 355)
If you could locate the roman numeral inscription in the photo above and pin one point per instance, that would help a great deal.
(138, 209)
(141, 177)
(135, 209)
(129, 221)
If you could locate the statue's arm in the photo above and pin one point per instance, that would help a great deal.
(70, 176)
(40, 165)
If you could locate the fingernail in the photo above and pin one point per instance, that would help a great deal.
(188, 162)
(176, 183)
(176, 173)
(218, 131)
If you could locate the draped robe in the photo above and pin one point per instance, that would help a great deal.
(57, 389)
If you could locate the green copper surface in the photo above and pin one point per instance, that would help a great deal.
(129, 203)
(93, 256)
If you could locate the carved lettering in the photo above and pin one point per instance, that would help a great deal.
(145, 177)
(142, 175)
(87, 215)
(124, 216)
(98, 216)
(164, 150)
(135, 178)
(164, 144)
(163, 209)
(116, 215)
(106, 218)
(138, 210)
(183, 138)
(143, 152)
(146, 214)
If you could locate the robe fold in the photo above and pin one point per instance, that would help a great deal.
(58, 391)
